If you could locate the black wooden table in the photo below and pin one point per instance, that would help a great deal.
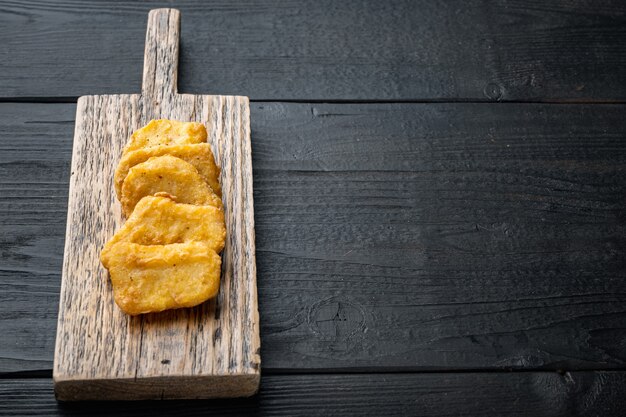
(440, 192)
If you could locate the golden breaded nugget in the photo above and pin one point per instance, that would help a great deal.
(200, 156)
(161, 221)
(170, 175)
(155, 278)
(166, 132)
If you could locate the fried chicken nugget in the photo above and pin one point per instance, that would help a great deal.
(169, 175)
(200, 156)
(161, 221)
(155, 278)
(166, 132)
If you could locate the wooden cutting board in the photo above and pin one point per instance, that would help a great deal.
(204, 352)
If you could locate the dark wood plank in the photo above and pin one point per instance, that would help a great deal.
(441, 236)
(485, 394)
(389, 236)
(325, 50)
(35, 153)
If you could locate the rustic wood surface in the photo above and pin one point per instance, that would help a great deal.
(498, 248)
(537, 394)
(209, 351)
(408, 254)
(487, 50)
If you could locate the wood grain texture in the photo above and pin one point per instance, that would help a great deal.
(466, 236)
(35, 153)
(326, 50)
(209, 351)
(539, 394)
(425, 236)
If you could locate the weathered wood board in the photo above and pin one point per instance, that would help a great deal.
(204, 352)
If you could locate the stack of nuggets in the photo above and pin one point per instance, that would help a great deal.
(166, 255)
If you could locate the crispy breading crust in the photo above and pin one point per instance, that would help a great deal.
(166, 255)
(166, 132)
(161, 277)
(170, 175)
(162, 221)
(198, 155)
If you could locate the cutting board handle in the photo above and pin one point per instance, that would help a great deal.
(160, 62)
